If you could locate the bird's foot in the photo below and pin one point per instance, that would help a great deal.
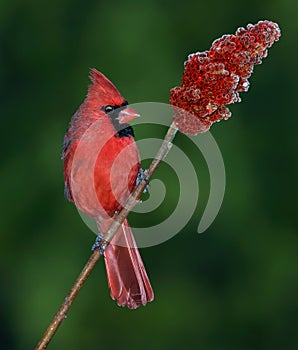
(100, 244)
(141, 176)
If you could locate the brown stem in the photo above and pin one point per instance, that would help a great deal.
(62, 312)
(136, 195)
(112, 230)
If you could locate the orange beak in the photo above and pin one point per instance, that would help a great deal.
(127, 115)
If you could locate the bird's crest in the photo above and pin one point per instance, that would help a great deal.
(103, 88)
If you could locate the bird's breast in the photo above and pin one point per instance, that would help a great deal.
(103, 174)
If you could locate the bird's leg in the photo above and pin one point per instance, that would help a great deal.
(141, 176)
(100, 244)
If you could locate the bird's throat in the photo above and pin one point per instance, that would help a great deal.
(123, 130)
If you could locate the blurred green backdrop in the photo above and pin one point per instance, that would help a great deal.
(235, 286)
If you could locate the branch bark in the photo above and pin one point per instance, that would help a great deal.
(112, 230)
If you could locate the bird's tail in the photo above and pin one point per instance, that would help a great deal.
(127, 277)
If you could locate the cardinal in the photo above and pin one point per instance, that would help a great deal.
(101, 167)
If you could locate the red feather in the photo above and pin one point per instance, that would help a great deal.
(126, 273)
(100, 171)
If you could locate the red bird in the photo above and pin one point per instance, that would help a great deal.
(101, 165)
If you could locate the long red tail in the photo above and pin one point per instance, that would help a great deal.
(127, 276)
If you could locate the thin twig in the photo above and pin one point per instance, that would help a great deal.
(62, 312)
(136, 195)
(112, 230)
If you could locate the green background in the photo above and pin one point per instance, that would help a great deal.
(235, 286)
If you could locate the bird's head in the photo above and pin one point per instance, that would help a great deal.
(104, 96)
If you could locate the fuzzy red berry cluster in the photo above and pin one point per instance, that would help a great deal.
(214, 78)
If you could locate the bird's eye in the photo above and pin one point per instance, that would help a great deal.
(109, 109)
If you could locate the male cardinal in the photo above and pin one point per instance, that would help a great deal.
(101, 165)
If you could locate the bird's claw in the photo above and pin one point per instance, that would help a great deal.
(141, 176)
(100, 244)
